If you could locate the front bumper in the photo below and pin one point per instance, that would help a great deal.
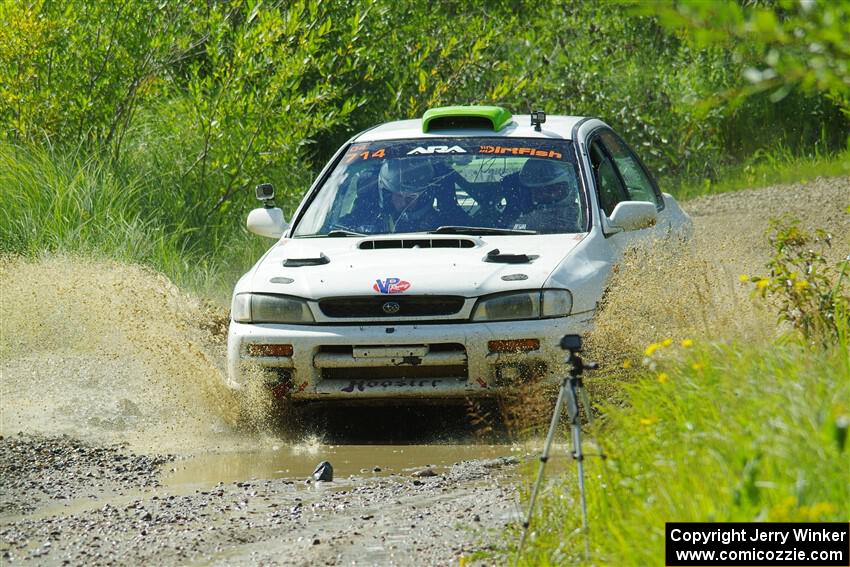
(405, 361)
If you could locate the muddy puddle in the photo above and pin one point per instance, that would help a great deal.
(349, 462)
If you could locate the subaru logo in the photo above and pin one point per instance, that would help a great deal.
(391, 307)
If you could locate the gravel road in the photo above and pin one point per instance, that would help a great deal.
(68, 502)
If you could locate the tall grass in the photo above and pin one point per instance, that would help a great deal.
(719, 433)
(762, 168)
(85, 203)
(53, 201)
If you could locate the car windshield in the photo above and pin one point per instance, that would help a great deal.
(452, 186)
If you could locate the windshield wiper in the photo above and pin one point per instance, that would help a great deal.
(478, 230)
(341, 232)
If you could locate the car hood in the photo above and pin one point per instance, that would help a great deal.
(408, 264)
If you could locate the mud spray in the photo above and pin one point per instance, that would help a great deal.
(117, 353)
(693, 291)
(113, 353)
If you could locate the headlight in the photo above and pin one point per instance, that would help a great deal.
(260, 308)
(524, 305)
(556, 303)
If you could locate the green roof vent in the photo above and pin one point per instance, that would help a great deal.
(451, 117)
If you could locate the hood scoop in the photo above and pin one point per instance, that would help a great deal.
(301, 262)
(387, 243)
(496, 257)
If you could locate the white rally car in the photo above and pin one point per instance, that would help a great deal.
(443, 258)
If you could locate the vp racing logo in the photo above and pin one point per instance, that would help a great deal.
(436, 150)
(391, 285)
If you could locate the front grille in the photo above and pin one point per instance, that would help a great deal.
(407, 306)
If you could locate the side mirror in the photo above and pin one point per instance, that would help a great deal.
(268, 221)
(632, 215)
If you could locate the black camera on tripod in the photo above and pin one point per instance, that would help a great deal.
(571, 343)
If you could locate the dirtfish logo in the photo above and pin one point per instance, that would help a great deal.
(391, 285)
(436, 150)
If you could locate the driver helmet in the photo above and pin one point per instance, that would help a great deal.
(550, 182)
(403, 182)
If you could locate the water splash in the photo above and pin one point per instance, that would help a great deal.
(112, 352)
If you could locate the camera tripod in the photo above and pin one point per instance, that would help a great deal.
(573, 392)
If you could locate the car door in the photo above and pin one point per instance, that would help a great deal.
(639, 183)
(620, 176)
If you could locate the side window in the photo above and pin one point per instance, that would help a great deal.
(638, 184)
(608, 185)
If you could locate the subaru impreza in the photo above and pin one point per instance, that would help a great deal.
(443, 258)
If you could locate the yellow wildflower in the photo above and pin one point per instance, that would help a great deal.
(650, 350)
(782, 512)
(627, 363)
(651, 420)
(662, 377)
(666, 342)
(687, 343)
(743, 278)
(763, 283)
(698, 365)
(816, 511)
(801, 285)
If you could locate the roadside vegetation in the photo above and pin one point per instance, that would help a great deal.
(720, 431)
(138, 130)
(726, 433)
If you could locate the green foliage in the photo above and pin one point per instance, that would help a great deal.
(78, 71)
(810, 291)
(185, 106)
(627, 70)
(781, 44)
(54, 201)
(257, 93)
(765, 167)
(721, 432)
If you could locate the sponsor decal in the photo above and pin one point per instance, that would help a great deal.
(436, 150)
(391, 285)
(530, 152)
(363, 385)
(356, 152)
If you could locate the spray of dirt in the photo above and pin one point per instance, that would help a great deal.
(114, 353)
(693, 290)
